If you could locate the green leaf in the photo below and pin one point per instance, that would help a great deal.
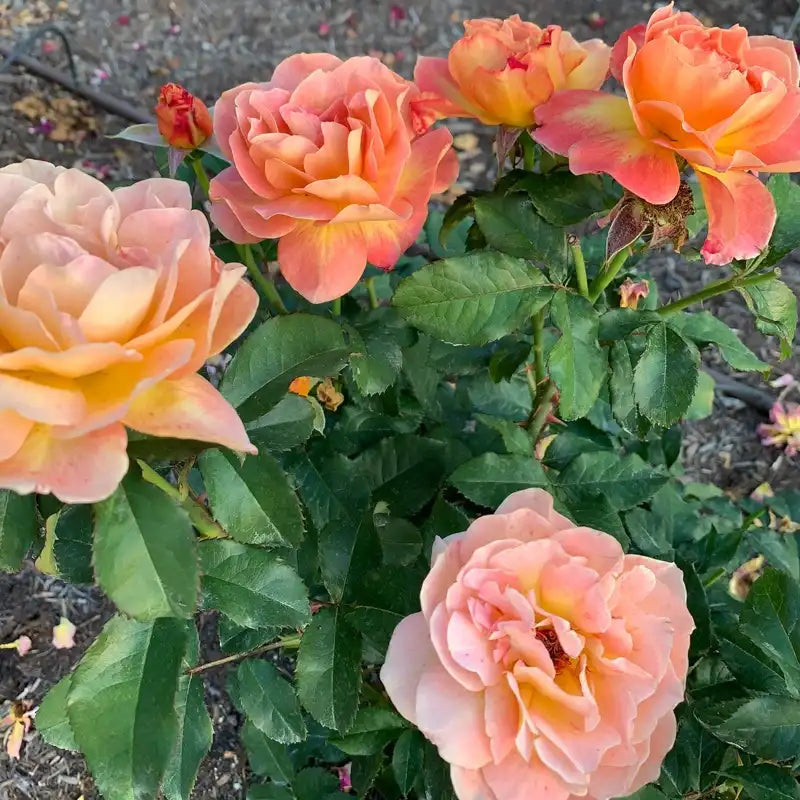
(516, 440)
(620, 385)
(195, 731)
(372, 729)
(665, 377)
(619, 323)
(768, 726)
(17, 528)
(436, 784)
(121, 704)
(647, 793)
(445, 519)
(407, 759)
(704, 328)
(749, 665)
(52, 721)
(472, 299)
(266, 757)
(702, 405)
(251, 586)
(270, 702)
(596, 511)
(695, 755)
(577, 364)
(280, 350)
(234, 638)
(269, 791)
(488, 479)
(573, 439)
(511, 225)
(401, 541)
(252, 499)
(314, 783)
(774, 306)
(786, 234)
(345, 550)
(625, 481)
(765, 782)
(771, 620)
(328, 672)
(376, 367)
(697, 602)
(71, 544)
(404, 472)
(648, 533)
(563, 198)
(141, 528)
(286, 425)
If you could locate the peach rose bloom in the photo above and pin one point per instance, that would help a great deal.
(110, 301)
(546, 663)
(726, 102)
(500, 71)
(326, 157)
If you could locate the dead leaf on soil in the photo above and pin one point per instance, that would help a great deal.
(60, 119)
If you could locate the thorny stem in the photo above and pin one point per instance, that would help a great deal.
(266, 286)
(202, 177)
(538, 353)
(608, 274)
(580, 264)
(528, 152)
(287, 641)
(200, 518)
(542, 412)
(717, 287)
(373, 296)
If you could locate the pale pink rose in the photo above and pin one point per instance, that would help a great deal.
(110, 301)
(326, 158)
(546, 663)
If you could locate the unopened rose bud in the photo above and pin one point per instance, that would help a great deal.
(183, 119)
(630, 293)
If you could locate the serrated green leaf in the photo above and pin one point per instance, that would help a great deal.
(407, 759)
(69, 542)
(577, 364)
(694, 757)
(704, 328)
(697, 602)
(400, 540)
(516, 440)
(235, 638)
(143, 529)
(573, 439)
(665, 377)
(195, 731)
(286, 425)
(252, 499)
(472, 299)
(625, 481)
(17, 528)
(771, 620)
(314, 783)
(786, 233)
(647, 793)
(750, 666)
(619, 323)
(52, 721)
(768, 726)
(488, 479)
(121, 704)
(280, 350)
(251, 586)
(565, 199)
(765, 781)
(510, 224)
(436, 783)
(376, 367)
(596, 511)
(266, 757)
(269, 702)
(774, 306)
(702, 404)
(648, 533)
(372, 729)
(269, 791)
(620, 385)
(328, 672)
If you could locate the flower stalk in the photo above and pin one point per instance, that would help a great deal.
(718, 287)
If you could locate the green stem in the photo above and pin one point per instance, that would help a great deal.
(538, 352)
(528, 152)
(542, 412)
(287, 641)
(608, 274)
(336, 307)
(202, 176)
(373, 296)
(266, 286)
(718, 287)
(580, 264)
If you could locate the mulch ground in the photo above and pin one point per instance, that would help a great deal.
(128, 48)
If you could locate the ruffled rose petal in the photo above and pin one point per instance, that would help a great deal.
(188, 408)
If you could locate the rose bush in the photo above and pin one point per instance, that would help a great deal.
(726, 102)
(326, 156)
(545, 662)
(111, 301)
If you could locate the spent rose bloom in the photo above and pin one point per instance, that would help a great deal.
(326, 157)
(110, 301)
(545, 663)
(726, 102)
(183, 119)
(501, 70)
(631, 292)
(783, 430)
(64, 634)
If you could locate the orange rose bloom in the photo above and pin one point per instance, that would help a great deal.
(326, 157)
(726, 102)
(110, 301)
(183, 119)
(501, 70)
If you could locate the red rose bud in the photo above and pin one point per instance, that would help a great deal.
(183, 119)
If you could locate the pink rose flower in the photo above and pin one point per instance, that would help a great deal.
(110, 301)
(326, 157)
(545, 663)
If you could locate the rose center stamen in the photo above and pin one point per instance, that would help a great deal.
(549, 638)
